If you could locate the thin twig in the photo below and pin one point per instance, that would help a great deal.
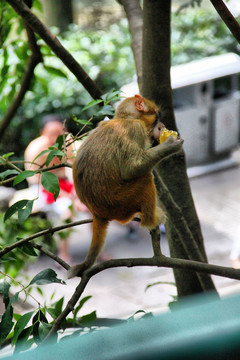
(51, 255)
(23, 287)
(156, 236)
(52, 230)
(39, 28)
(7, 162)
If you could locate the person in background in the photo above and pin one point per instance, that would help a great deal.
(67, 201)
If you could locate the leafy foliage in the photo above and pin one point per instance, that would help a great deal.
(10, 231)
(105, 55)
(199, 33)
(54, 89)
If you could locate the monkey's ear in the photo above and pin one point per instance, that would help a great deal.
(139, 103)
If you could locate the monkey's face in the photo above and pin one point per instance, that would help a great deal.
(157, 126)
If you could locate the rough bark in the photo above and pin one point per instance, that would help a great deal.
(133, 12)
(227, 17)
(58, 13)
(156, 86)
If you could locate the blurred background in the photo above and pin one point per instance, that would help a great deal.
(206, 89)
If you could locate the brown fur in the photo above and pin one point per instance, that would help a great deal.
(112, 172)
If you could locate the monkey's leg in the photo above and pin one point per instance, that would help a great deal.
(98, 237)
(153, 218)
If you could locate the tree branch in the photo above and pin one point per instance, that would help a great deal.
(9, 248)
(227, 17)
(51, 255)
(34, 60)
(39, 28)
(182, 229)
(133, 11)
(175, 215)
(159, 261)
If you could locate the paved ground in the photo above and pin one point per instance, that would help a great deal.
(121, 292)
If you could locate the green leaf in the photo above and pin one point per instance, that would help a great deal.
(37, 320)
(22, 343)
(20, 325)
(82, 121)
(111, 96)
(81, 303)
(40, 154)
(22, 207)
(160, 283)
(59, 304)
(7, 155)
(54, 71)
(15, 208)
(4, 289)
(23, 214)
(46, 276)
(28, 249)
(56, 310)
(43, 330)
(106, 110)
(54, 153)
(50, 183)
(91, 104)
(6, 173)
(87, 320)
(53, 312)
(59, 141)
(4, 71)
(6, 323)
(14, 298)
(23, 175)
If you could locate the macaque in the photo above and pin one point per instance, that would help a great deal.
(112, 171)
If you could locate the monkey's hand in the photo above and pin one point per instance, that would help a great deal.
(174, 142)
(76, 270)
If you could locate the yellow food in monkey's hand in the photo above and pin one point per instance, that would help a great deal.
(165, 133)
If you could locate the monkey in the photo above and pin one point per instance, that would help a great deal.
(112, 171)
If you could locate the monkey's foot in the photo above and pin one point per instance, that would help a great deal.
(160, 216)
(157, 218)
(76, 270)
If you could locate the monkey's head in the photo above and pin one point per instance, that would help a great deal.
(137, 107)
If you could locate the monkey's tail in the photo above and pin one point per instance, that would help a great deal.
(98, 237)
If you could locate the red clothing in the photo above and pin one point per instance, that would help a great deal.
(64, 185)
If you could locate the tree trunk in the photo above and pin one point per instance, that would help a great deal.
(156, 86)
(134, 14)
(58, 13)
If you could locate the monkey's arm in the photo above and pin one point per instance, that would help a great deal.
(145, 162)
